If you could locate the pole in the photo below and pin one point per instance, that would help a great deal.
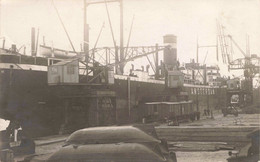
(129, 96)
(86, 34)
(122, 57)
(3, 43)
(99, 35)
(129, 37)
(33, 41)
(197, 53)
(205, 74)
(110, 25)
(85, 37)
(207, 93)
(106, 57)
(196, 90)
(36, 51)
(154, 69)
(156, 62)
(116, 59)
(247, 46)
(0, 17)
(217, 47)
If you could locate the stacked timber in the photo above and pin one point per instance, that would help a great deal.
(205, 134)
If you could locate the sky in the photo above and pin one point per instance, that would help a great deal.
(187, 19)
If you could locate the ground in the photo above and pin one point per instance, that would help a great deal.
(48, 144)
(218, 156)
(229, 120)
(219, 120)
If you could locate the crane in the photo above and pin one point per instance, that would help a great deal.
(249, 63)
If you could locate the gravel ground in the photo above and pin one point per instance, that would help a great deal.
(219, 120)
(218, 156)
(229, 120)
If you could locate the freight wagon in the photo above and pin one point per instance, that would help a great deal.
(175, 112)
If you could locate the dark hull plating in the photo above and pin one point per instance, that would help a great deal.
(26, 97)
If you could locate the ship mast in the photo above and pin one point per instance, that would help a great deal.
(122, 57)
(86, 33)
(0, 17)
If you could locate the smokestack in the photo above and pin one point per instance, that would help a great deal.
(170, 54)
(33, 52)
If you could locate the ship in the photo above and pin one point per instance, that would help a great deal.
(33, 97)
(61, 91)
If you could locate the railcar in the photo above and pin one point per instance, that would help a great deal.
(173, 111)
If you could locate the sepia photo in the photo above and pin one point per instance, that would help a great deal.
(129, 80)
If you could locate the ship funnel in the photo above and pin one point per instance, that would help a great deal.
(170, 54)
(33, 51)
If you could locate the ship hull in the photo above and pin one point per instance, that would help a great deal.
(41, 110)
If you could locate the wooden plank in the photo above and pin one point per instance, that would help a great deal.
(205, 129)
(208, 134)
(206, 138)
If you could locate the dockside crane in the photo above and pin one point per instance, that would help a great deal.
(225, 46)
(250, 64)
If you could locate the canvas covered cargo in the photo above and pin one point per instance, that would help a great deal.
(114, 134)
(119, 152)
(139, 133)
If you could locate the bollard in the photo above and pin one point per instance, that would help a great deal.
(143, 121)
(7, 155)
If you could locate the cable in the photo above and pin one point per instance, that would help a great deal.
(63, 26)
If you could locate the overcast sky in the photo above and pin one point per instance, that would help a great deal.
(186, 19)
